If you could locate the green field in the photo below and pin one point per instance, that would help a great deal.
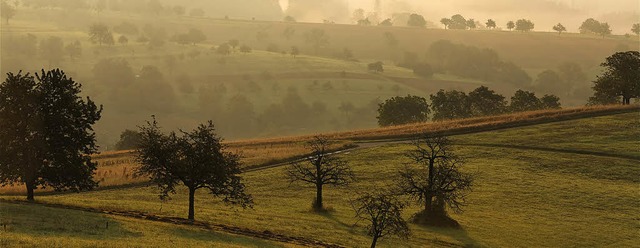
(524, 196)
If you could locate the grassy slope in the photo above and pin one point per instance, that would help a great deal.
(524, 198)
(37, 226)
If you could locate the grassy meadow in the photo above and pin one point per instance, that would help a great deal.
(522, 197)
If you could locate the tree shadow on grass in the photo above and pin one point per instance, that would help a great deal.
(217, 237)
(34, 220)
(459, 234)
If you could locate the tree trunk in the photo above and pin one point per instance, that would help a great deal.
(428, 201)
(192, 196)
(375, 240)
(318, 204)
(30, 187)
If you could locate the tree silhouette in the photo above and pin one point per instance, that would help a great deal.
(383, 212)
(484, 102)
(403, 110)
(524, 25)
(447, 105)
(196, 159)
(7, 11)
(621, 78)
(129, 140)
(46, 134)
(524, 101)
(74, 49)
(377, 67)
(446, 22)
(636, 28)
(559, 28)
(458, 22)
(320, 168)
(123, 40)
(99, 33)
(491, 24)
(511, 25)
(416, 20)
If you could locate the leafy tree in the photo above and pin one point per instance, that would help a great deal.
(123, 40)
(458, 22)
(357, 15)
(438, 181)
(289, 19)
(364, 22)
(320, 168)
(511, 25)
(423, 69)
(196, 36)
(485, 102)
(317, 38)
(245, 49)
(491, 24)
(636, 28)
(295, 51)
(196, 159)
(386, 22)
(524, 101)
(99, 33)
(446, 22)
(621, 78)
(416, 20)
(559, 28)
(383, 212)
(604, 30)
(403, 110)
(377, 67)
(233, 43)
(46, 134)
(471, 24)
(179, 10)
(524, 25)
(129, 139)
(551, 81)
(73, 49)
(550, 102)
(52, 49)
(7, 11)
(223, 49)
(447, 105)
(590, 26)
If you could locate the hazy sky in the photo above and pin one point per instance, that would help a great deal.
(621, 14)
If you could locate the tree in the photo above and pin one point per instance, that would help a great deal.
(357, 15)
(604, 29)
(437, 182)
(524, 25)
(52, 49)
(317, 38)
(179, 10)
(7, 11)
(129, 139)
(524, 101)
(74, 49)
(458, 22)
(621, 78)
(196, 159)
(550, 102)
(550, 81)
(196, 36)
(383, 212)
(416, 20)
(403, 110)
(245, 49)
(99, 33)
(446, 22)
(447, 105)
(289, 19)
(233, 43)
(386, 22)
(320, 168)
(559, 28)
(123, 40)
(377, 67)
(295, 51)
(471, 24)
(46, 134)
(485, 102)
(491, 24)
(364, 22)
(636, 28)
(511, 25)
(223, 49)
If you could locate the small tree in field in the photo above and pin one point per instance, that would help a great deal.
(7, 11)
(438, 182)
(383, 212)
(99, 33)
(491, 24)
(403, 110)
(559, 28)
(196, 159)
(46, 133)
(511, 25)
(320, 168)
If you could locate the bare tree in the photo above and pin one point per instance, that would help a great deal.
(320, 168)
(384, 214)
(439, 182)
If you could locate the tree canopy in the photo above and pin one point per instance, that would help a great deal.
(621, 78)
(196, 159)
(46, 132)
(416, 20)
(403, 110)
(99, 33)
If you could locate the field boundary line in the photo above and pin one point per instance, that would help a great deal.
(551, 149)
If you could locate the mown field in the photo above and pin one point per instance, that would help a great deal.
(524, 196)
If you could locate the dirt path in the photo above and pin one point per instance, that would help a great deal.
(266, 234)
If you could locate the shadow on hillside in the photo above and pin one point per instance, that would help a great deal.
(329, 216)
(213, 236)
(458, 234)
